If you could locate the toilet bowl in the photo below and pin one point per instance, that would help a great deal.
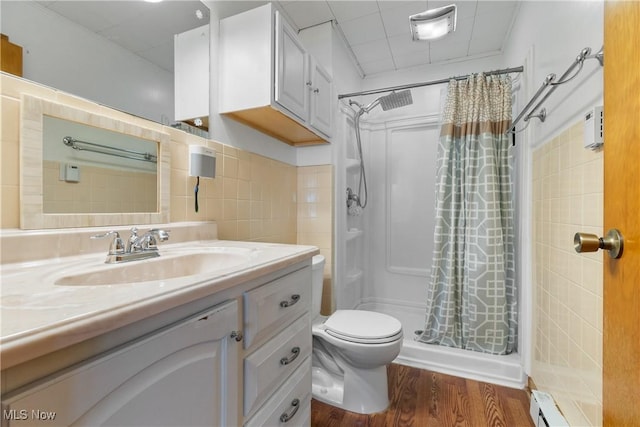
(351, 351)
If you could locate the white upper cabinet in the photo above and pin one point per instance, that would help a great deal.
(292, 70)
(321, 111)
(191, 74)
(270, 82)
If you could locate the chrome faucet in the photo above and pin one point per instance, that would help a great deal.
(136, 248)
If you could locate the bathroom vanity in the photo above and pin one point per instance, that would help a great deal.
(225, 343)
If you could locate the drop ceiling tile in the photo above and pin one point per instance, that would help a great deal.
(448, 51)
(348, 10)
(497, 9)
(372, 51)
(305, 14)
(392, 4)
(176, 16)
(98, 15)
(492, 28)
(365, 29)
(396, 20)
(465, 9)
(408, 61)
(375, 67)
(403, 45)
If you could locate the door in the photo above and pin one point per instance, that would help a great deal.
(184, 375)
(321, 105)
(621, 333)
(291, 73)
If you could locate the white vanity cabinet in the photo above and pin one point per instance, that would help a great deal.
(183, 375)
(277, 362)
(270, 82)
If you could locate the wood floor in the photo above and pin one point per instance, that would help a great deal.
(425, 398)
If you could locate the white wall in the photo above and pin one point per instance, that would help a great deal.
(556, 32)
(61, 54)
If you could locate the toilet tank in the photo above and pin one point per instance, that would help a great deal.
(317, 275)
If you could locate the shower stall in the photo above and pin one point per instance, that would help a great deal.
(383, 252)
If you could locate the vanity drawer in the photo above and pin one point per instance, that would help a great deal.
(292, 400)
(274, 362)
(273, 305)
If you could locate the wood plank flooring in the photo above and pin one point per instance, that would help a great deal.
(421, 398)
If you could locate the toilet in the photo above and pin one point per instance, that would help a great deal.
(351, 351)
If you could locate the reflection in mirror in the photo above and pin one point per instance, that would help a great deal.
(116, 53)
(145, 200)
(92, 170)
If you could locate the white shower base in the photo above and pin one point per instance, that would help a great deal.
(504, 370)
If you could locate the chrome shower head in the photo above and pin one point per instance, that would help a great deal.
(396, 100)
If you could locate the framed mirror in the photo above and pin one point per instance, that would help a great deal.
(102, 172)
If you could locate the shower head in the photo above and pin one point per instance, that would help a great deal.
(396, 100)
(387, 102)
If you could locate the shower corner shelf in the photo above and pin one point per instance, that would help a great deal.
(352, 164)
(353, 234)
(354, 275)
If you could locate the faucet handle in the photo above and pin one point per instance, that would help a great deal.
(117, 245)
(163, 235)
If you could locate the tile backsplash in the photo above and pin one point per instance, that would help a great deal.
(252, 197)
(567, 198)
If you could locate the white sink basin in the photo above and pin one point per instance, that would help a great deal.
(165, 267)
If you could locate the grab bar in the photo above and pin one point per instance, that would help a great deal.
(115, 151)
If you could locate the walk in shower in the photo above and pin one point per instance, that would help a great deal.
(384, 252)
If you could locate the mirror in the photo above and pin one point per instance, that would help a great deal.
(43, 208)
(92, 170)
(117, 53)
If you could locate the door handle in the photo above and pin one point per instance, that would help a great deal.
(612, 242)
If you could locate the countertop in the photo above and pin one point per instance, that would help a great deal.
(39, 316)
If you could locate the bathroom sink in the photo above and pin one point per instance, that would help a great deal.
(167, 267)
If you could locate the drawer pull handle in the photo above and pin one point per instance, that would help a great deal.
(296, 353)
(287, 416)
(294, 299)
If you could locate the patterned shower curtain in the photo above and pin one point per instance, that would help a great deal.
(472, 298)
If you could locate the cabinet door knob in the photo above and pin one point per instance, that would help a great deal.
(612, 242)
(295, 403)
(294, 299)
(316, 91)
(296, 353)
(308, 84)
(236, 335)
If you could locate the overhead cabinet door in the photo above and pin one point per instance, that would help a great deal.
(292, 86)
(320, 116)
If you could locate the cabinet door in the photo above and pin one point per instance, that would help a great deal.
(191, 74)
(183, 375)
(321, 99)
(292, 84)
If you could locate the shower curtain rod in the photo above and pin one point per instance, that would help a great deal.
(433, 82)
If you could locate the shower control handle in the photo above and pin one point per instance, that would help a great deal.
(612, 242)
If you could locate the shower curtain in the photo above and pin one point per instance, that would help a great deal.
(472, 298)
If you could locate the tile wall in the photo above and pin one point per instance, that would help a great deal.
(252, 198)
(315, 219)
(99, 190)
(567, 198)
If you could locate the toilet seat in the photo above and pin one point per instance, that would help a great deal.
(364, 327)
